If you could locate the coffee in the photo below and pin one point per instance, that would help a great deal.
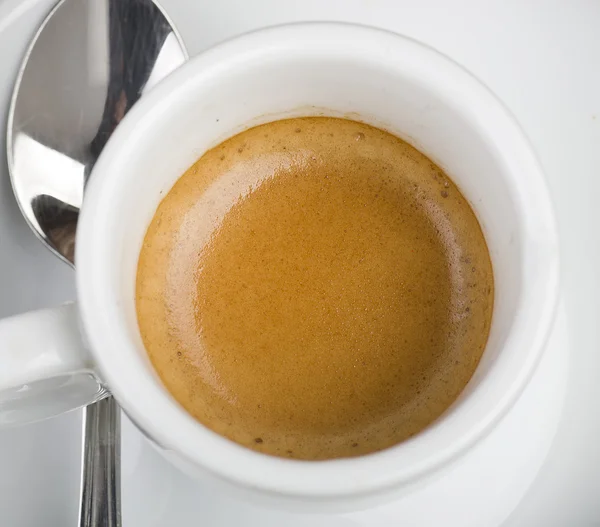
(314, 288)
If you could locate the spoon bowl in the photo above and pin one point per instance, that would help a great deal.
(88, 63)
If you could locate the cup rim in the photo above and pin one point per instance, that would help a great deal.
(338, 478)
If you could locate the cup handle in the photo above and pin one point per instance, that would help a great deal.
(45, 367)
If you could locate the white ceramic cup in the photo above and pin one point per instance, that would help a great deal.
(50, 359)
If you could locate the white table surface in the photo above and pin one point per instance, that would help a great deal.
(542, 58)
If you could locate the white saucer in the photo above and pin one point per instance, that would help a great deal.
(39, 464)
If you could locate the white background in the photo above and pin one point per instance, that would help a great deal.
(542, 58)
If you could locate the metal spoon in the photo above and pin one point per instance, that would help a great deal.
(88, 63)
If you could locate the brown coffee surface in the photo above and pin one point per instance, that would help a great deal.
(315, 288)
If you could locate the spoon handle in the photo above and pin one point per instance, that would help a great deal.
(100, 503)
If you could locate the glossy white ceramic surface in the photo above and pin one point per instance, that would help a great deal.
(308, 69)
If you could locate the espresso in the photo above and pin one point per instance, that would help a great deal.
(315, 288)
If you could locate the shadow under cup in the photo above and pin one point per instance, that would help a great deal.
(337, 70)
